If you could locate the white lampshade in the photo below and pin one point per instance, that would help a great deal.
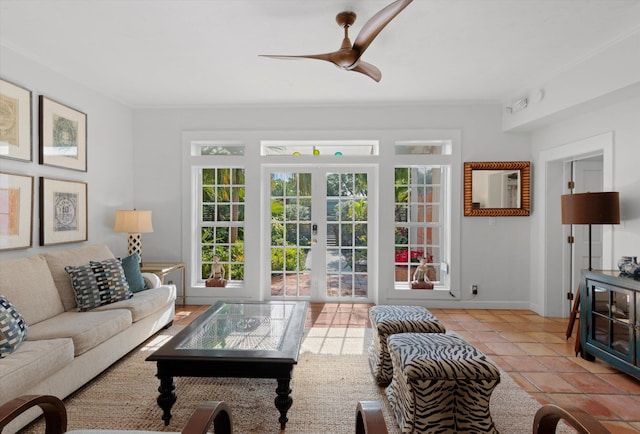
(133, 221)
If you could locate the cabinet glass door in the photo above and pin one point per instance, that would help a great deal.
(612, 319)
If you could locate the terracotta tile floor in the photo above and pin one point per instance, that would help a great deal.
(530, 348)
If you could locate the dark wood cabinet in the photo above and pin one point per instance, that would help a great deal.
(610, 319)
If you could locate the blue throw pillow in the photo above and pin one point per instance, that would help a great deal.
(131, 266)
(13, 328)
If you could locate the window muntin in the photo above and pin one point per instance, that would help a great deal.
(419, 220)
(347, 216)
(290, 233)
(221, 222)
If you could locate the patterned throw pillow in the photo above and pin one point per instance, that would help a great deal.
(131, 266)
(98, 283)
(13, 328)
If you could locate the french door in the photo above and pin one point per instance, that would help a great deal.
(318, 241)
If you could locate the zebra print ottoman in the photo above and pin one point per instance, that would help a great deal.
(389, 320)
(441, 384)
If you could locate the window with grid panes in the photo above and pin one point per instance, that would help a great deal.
(222, 221)
(419, 221)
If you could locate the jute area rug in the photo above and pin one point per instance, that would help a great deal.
(332, 375)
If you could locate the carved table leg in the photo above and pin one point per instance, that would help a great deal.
(283, 401)
(167, 397)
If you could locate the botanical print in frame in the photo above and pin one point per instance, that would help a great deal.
(63, 211)
(16, 211)
(15, 122)
(63, 135)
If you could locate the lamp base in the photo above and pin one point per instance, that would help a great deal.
(135, 245)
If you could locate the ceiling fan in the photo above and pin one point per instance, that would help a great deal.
(348, 56)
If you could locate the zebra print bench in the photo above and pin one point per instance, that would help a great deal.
(389, 320)
(441, 384)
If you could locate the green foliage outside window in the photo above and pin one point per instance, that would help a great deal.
(223, 193)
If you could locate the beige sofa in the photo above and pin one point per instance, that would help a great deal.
(64, 348)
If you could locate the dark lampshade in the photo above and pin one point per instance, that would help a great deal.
(591, 208)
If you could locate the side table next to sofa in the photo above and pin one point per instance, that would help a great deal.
(162, 269)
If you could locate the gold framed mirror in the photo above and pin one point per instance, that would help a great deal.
(497, 188)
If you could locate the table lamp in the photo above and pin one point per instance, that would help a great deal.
(134, 222)
(591, 209)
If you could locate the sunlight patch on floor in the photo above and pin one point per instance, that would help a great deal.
(155, 343)
(336, 340)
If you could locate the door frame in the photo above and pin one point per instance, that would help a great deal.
(319, 294)
(552, 269)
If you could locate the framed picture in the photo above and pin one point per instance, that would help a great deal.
(63, 136)
(16, 211)
(15, 122)
(63, 211)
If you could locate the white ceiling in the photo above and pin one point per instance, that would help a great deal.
(148, 53)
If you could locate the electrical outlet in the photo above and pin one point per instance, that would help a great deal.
(474, 289)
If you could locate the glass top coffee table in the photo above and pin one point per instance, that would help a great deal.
(248, 340)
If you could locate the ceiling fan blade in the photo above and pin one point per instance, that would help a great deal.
(368, 69)
(376, 23)
(325, 56)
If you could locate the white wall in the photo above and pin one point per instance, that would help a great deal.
(495, 251)
(134, 159)
(622, 121)
(109, 151)
(601, 79)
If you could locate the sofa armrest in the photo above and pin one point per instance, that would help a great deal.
(55, 414)
(369, 418)
(548, 416)
(217, 412)
(152, 280)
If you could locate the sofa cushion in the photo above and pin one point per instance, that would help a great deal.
(87, 329)
(98, 283)
(27, 283)
(131, 266)
(13, 328)
(144, 303)
(59, 259)
(32, 363)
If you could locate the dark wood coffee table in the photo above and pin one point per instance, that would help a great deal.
(248, 340)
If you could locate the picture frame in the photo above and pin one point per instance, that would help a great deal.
(16, 211)
(16, 131)
(63, 135)
(497, 188)
(63, 211)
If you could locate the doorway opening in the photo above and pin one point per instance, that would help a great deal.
(563, 264)
(319, 223)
